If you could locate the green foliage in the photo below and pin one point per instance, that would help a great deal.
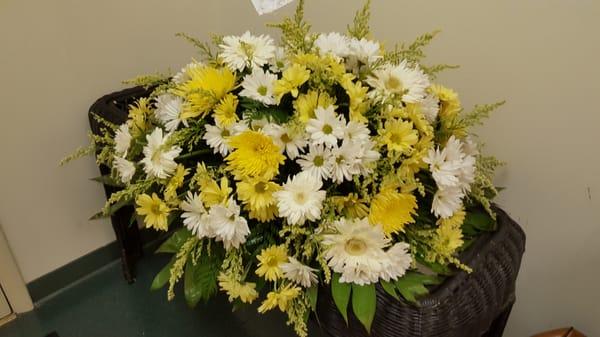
(181, 259)
(148, 81)
(190, 137)
(80, 152)
(389, 288)
(364, 303)
(412, 53)
(483, 190)
(360, 27)
(200, 281)
(175, 241)
(161, 279)
(254, 110)
(341, 295)
(477, 221)
(479, 113)
(312, 294)
(295, 31)
(126, 196)
(204, 48)
(412, 285)
(433, 71)
(108, 180)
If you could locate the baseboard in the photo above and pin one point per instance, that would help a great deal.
(72, 271)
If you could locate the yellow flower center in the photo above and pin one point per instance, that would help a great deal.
(355, 247)
(300, 198)
(327, 129)
(392, 83)
(260, 187)
(248, 49)
(262, 90)
(285, 138)
(155, 209)
(318, 161)
(225, 133)
(396, 138)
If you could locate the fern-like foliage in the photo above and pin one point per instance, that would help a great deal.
(434, 70)
(360, 26)
(412, 53)
(204, 48)
(148, 81)
(483, 189)
(479, 113)
(295, 31)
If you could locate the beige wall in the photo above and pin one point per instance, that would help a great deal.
(542, 56)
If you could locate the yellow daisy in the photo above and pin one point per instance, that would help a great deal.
(262, 214)
(392, 210)
(254, 155)
(245, 291)
(399, 136)
(305, 104)
(292, 78)
(225, 111)
(212, 193)
(257, 192)
(138, 116)
(449, 102)
(175, 182)
(351, 206)
(269, 262)
(281, 298)
(155, 211)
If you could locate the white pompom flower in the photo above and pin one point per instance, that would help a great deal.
(298, 272)
(195, 217)
(248, 50)
(446, 201)
(229, 226)
(168, 111)
(159, 160)
(122, 140)
(333, 43)
(125, 169)
(300, 199)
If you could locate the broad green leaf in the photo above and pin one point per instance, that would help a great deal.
(389, 288)
(412, 285)
(175, 241)
(108, 180)
(113, 209)
(200, 279)
(477, 221)
(341, 295)
(162, 277)
(364, 302)
(312, 294)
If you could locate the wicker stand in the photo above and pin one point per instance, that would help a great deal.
(465, 305)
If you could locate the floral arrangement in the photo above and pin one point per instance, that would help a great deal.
(324, 161)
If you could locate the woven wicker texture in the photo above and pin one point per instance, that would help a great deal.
(465, 305)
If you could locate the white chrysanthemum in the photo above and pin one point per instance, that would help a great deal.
(122, 140)
(356, 251)
(159, 162)
(248, 50)
(333, 43)
(446, 201)
(363, 50)
(366, 157)
(397, 263)
(327, 127)
(300, 273)
(444, 171)
(318, 162)
(230, 228)
(300, 199)
(356, 132)
(216, 136)
(195, 217)
(452, 167)
(168, 110)
(259, 86)
(430, 106)
(289, 142)
(408, 83)
(278, 62)
(125, 169)
(345, 161)
(184, 74)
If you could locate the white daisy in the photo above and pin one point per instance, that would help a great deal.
(446, 201)
(122, 140)
(397, 263)
(356, 251)
(278, 62)
(230, 228)
(159, 162)
(259, 86)
(356, 132)
(216, 136)
(327, 127)
(408, 83)
(362, 52)
(239, 52)
(333, 43)
(366, 157)
(125, 169)
(345, 161)
(318, 162)
(444, 171)
(184, 74)
(430, 106)
(298, 272)
(452, 167)
(168, 109)
(300, 199)
(195, 217)
(290, 142)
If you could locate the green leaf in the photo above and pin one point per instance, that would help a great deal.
(175, 241)
(389, 288)
(364, 302)
(341, 295)
(200, 279)
(477, 221)
(312, 294)
(112, 210)
(163, 276)
(108, 180)
(412, 285)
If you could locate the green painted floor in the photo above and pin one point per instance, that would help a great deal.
(104, 305)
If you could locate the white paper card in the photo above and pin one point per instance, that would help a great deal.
(268, 6)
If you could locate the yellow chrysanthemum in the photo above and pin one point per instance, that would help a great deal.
(447, 240)
(245, 291)
(305, 104)
(392, 210)
(456, 220)
(225, 111)
(263, 214)
(254, 155)
(257, 193)
(269, 262)
(175, 182)
(292, 78)
(351, 206)
(399, 136)
(212, 194)
(205, 88)
(449, 102)
(138, 116)
(154, 210)
(357, 94)
(281, 299)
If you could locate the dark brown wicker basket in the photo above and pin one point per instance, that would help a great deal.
(465, 305)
